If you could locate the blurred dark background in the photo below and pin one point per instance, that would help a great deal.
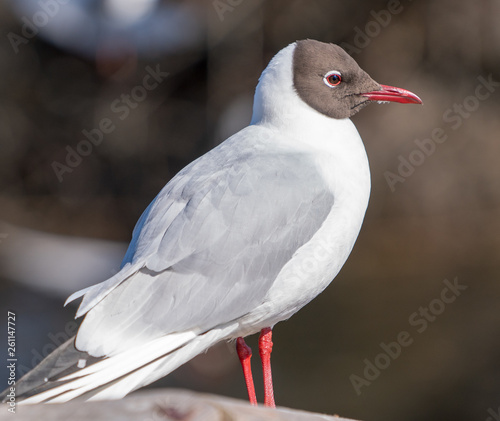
(74, 67)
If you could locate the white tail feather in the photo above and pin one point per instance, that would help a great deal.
(134, 368)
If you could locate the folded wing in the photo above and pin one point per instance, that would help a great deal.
(208, 248)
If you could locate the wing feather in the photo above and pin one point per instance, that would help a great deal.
(209, 247)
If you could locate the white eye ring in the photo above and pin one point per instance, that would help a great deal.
(332, 79)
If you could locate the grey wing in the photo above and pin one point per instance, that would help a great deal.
(231, 229)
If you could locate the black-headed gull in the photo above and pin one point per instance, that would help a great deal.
(237, 241)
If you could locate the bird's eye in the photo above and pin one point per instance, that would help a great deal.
(332, 79)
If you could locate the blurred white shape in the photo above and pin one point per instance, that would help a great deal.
(129, 10)
(56, 264)
(148, 27)
(235, 117)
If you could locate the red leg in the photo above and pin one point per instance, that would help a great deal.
(265, 348)
(245, 354)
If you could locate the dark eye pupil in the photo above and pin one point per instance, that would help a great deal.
(334, 79)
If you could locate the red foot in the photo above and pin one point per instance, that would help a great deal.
(265, 349)
(245, 354)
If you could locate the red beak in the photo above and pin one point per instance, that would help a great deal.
(393, 94)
